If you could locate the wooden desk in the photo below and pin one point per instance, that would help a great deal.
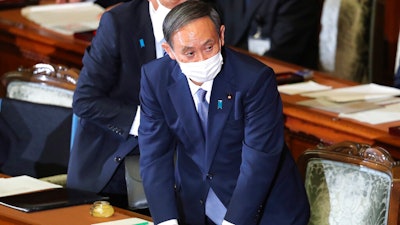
(307, 127)
(74, 215)
(25, 43)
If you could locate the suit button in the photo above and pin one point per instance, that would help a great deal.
(118, 159)
(209, 176)
(201, 202)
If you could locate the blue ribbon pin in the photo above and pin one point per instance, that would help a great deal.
(219, 106)
(141, 42)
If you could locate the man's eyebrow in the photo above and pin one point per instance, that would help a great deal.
(186, 48)
(189, 48)
(209, 41)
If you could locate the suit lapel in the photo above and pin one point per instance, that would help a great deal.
(221, 102)
(182, 101)
(143, 36)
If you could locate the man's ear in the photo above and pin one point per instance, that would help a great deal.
(167, 48)
(222, 34)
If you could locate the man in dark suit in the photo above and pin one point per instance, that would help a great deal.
(283, 29)
(227, 164)
(107, 95)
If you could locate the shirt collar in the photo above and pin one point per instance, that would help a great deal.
(207, 86)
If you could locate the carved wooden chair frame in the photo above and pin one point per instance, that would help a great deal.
(375, 158)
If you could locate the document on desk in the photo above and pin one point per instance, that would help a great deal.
(130, 221)
(302, 87)
(356, 93)
(386, 114)
(346, 107)
(69, 18)
(23, 184)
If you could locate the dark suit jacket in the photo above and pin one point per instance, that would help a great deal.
(291, 25)
(244, 159)
(107, 94)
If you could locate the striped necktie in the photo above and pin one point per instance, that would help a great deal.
(202, 108)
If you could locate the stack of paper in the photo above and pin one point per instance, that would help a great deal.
(66, 18)
(386, 114)
(356, 93)
(369, 103)
(302, 87)
(23, 184)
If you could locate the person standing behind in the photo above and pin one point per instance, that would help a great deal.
(211, 132)
(283, 29)
(107, 95)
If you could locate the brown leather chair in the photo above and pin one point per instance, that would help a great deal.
(351, 183)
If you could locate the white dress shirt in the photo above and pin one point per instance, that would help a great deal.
(159, 39)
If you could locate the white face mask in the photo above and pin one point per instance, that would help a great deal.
(203, 71)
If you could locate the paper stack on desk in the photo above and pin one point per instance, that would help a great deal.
(69, 18)
(302, 87)
(385, 114)
(23, 184)
(356, 93)
(370, 103)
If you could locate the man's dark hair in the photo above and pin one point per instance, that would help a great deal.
(187, 12)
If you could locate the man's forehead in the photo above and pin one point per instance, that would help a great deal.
(207, 42)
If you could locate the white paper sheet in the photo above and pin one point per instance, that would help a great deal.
(346, 107)
(23, 184)
(356, 93)
(302, 87)
(130, 221)
(66, 18)
(385, 114)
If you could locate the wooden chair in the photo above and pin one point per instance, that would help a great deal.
(42, 83)
(351, 183)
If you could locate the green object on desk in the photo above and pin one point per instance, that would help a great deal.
(144, 223)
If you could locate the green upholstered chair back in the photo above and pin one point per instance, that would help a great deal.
(350, 183)
(351, 39)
